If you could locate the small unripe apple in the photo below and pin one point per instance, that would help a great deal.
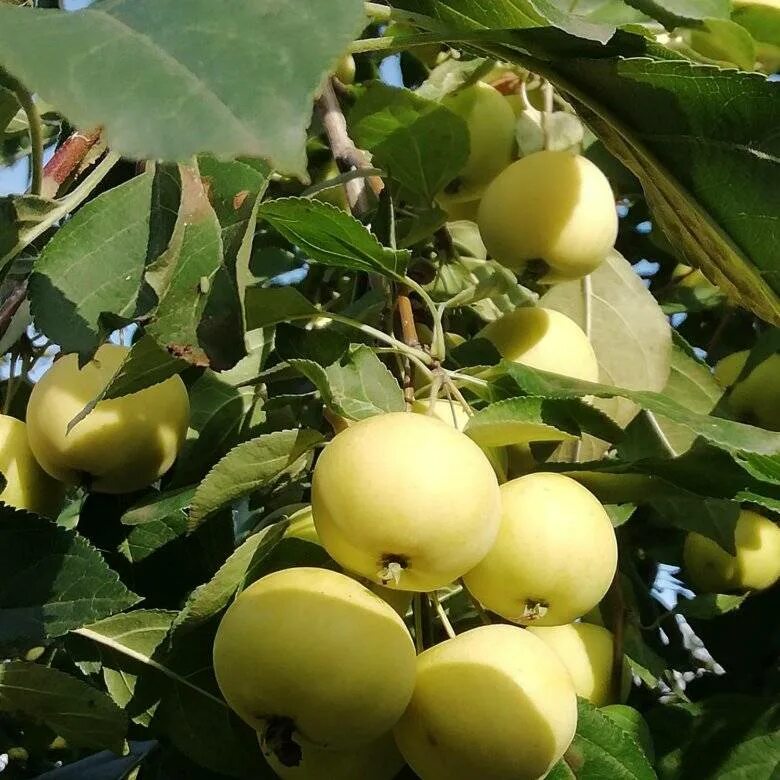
(757, 396)
(345, 70)
(491, 126)
(494, 703)
(555, 554)
(378, 760)
(552, 206)
(544, 339)
(458, 210)
(631, 720)
(27, 485)
(124, 444)
(756, 565)
(311, 654)
(405, 500)
(587, 652)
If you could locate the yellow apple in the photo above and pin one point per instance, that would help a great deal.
(405, 500)
(555, 555)
(631, 720)
(28, 486)
(551, 206)
(345, 70)
(491, 126)
(757, 397)
(312, 654)
(378, 760)
(587, 652)
(302, 527)
(458, 210)
(756, 565)
(494, 703)
(544, 339)
(124, 444)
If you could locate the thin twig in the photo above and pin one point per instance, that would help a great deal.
(478, 608)
(36, 136)
(347, 155)
(11, 305)
(618, 621)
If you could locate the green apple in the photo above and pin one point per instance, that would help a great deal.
(631, 720)
(27, 486)
(544, 339)
(312, 654)
(124, 444)
(555, 554)
(552, 206)
(756, 565)
(587, 652)
(378, 760)
(405, 500)
(494, 703)
(491, 126)
(757, 396)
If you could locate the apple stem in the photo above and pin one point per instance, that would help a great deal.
(478, 608)
(445, 621)
(418, 622)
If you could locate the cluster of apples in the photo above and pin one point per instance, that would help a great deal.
(550, 206)
(325, 669)
(122, 445)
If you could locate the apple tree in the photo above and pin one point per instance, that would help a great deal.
(389, 390)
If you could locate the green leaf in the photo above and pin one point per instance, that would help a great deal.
(356, 387)
(330, 236)
(183, 276)
(248, 467)
(682, 13)
(233, 187)
(79, 713)
(726, 737)
(52, 581)
(212, 597)
(507, 14)
(732, 436)
(218, 411)
(159, 506)
(269, 306)
(139, 632)
(761, 21)
(146, 539)
(9, 105)
(710, 605)
(602, 749)
(93, 266)
(724, 42)
(629, 333)
(197, 79)
(144, 366)
(420, 144)
(692, 385)
(520, 420)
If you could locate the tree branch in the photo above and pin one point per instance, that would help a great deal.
(347, 155)
(66, 160)
(11, 304)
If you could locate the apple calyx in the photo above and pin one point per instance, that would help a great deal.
(278, 741)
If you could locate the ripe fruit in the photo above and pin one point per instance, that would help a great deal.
(124, 444)
(631, 720)
(27, 486)
(756, 565)
(493, 703)
(311, 653)
(406, 501)
(544, 339)
(379, 760)
(491, 126)
(757, 396)
(555, 555)
(587, 653)
(551, 206)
